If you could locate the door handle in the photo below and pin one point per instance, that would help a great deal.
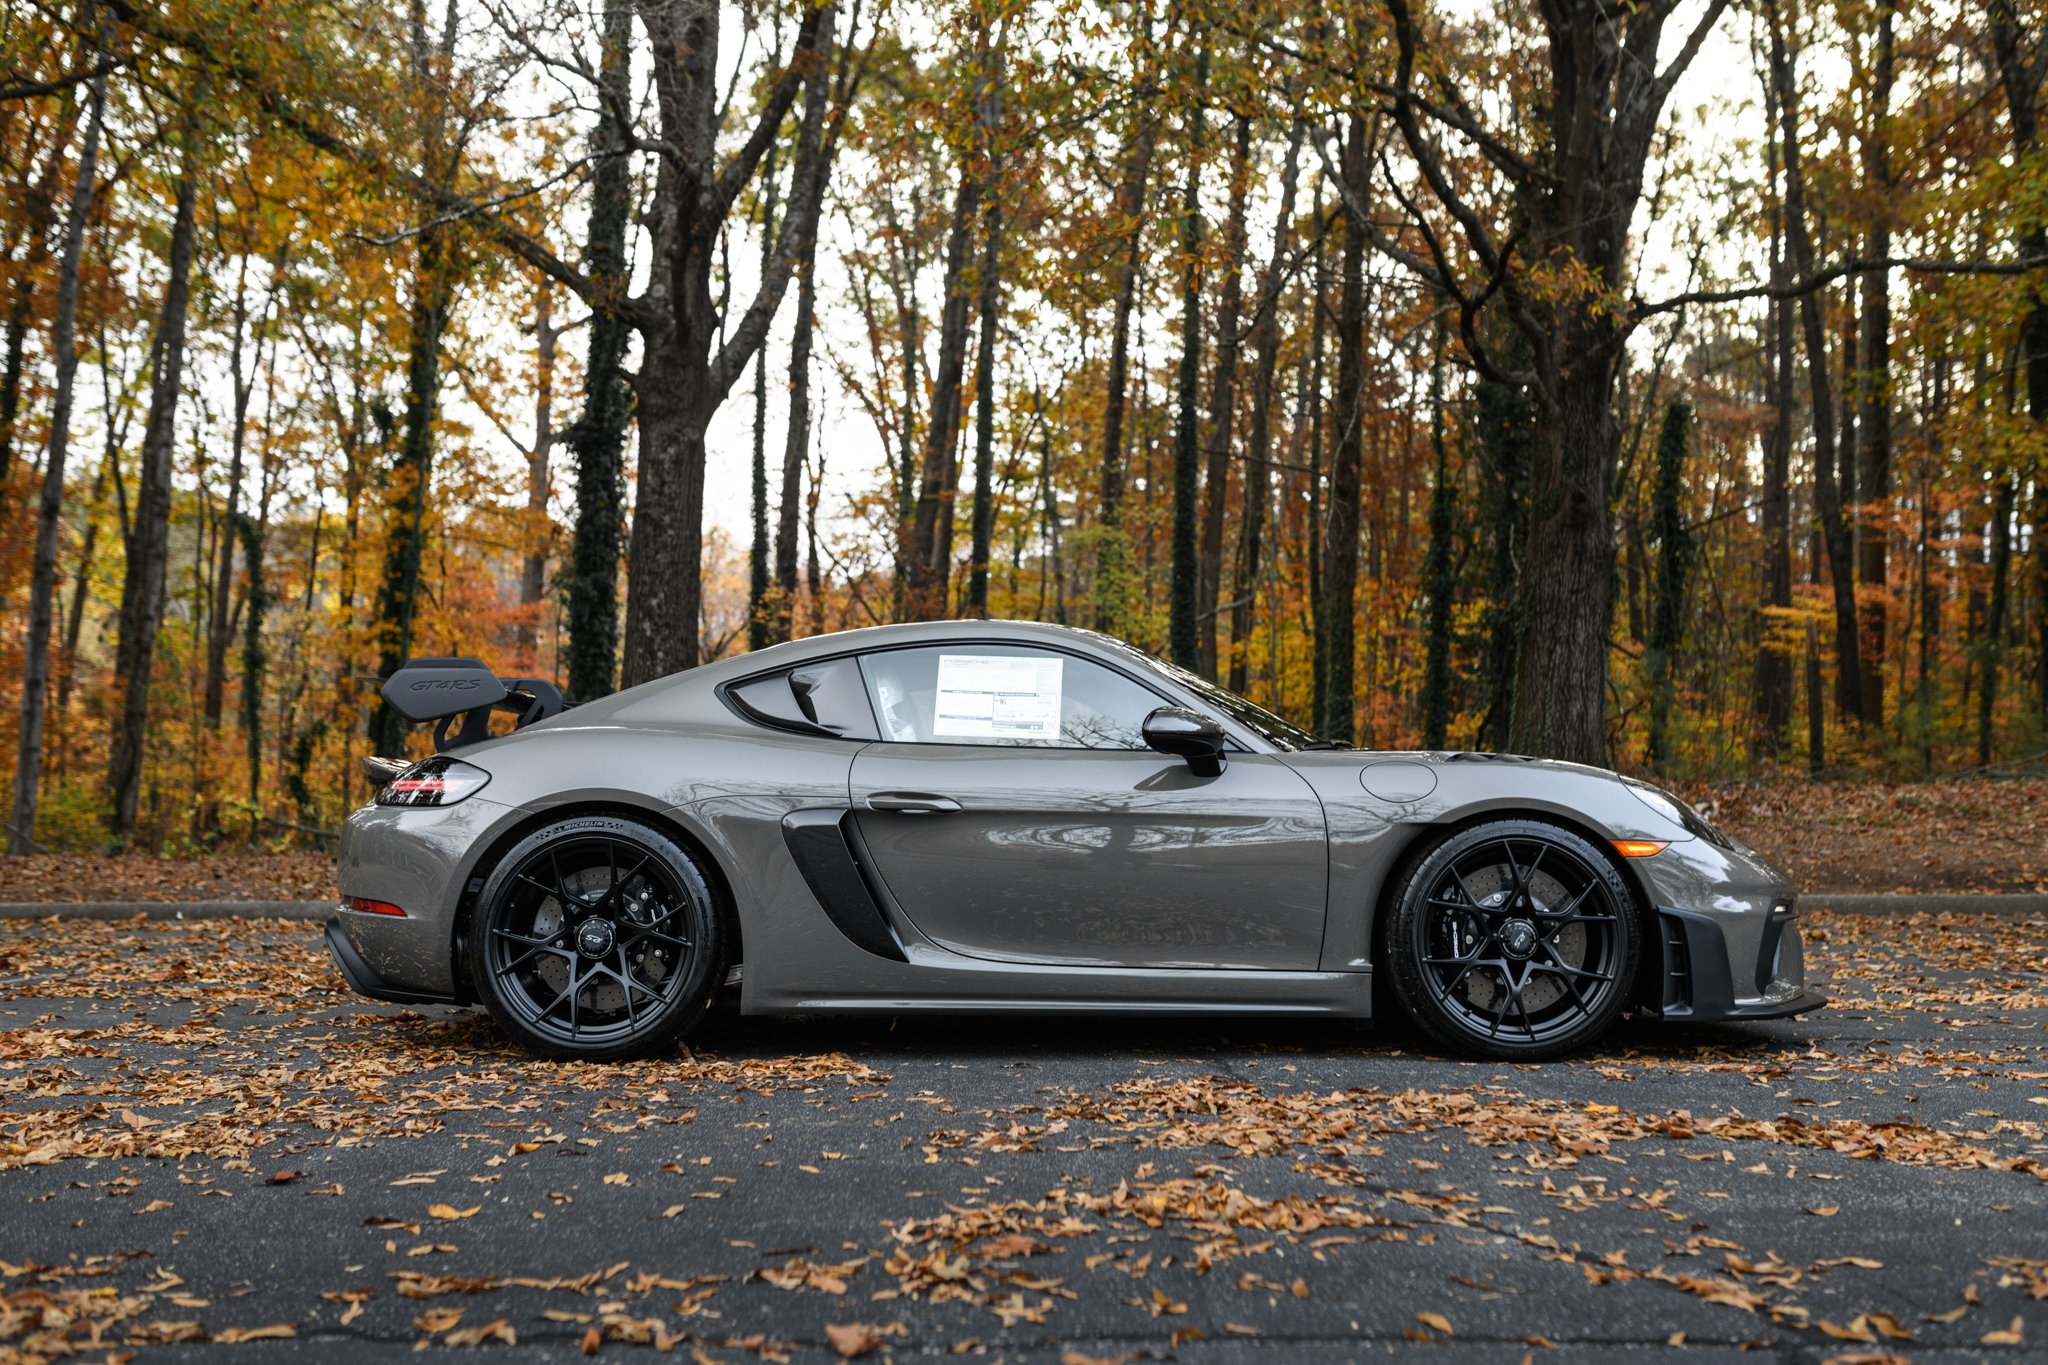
(912, 803)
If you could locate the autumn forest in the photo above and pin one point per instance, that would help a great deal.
(1661, 385)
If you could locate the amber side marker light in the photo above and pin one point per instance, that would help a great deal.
(370, 907)
(1639, 848)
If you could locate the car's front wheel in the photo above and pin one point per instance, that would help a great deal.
(596, 938)
(1513, 939)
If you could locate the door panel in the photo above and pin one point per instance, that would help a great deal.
(1097, 857)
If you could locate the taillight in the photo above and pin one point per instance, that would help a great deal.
(364, 905)
(437, 781)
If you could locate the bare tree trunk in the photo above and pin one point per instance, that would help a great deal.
(929, 557)
(1049, 503)
(983, 520)
(35, 668)
(250, 530)
(38, 198)
(1257, 478)
(1674, 558)
(760, 572)
(1834, 527)
(1774, 660)
(796, 445)
(533, 577)
(1334, 624)
(220, 621)
(1183, 574)
(1816, 718)
(143, 584)
(814, 578)
(1130, 218)
(1223, 399)
(1873, 482)
(597, 439)
(1560, 696)
(1439, 572)
(1310, 410)
(81, 588)
(1993, 645)
(432, 285)
(1111, 586)
(688, 371)
(2020, 75)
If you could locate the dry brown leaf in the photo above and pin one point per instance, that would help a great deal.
(2011, 1336)
(499, 1330)
(437, 1319)
(854, 1339)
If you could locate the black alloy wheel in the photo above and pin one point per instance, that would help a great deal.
(1514, 939)
(596, 938)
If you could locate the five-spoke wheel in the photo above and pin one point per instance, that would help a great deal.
(595, 938)
(1513, 939)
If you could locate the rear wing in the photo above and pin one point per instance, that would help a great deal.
(444, 691)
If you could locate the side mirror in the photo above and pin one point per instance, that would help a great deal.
(1187, 734)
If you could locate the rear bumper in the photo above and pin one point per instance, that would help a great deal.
(363, 979)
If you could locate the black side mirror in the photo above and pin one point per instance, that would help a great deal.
(1187, 734)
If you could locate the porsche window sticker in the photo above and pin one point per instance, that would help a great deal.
(997, 696)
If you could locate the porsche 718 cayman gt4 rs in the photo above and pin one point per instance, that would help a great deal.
(1007, 817)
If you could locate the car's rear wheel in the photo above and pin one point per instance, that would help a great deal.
(596, 938)
(1513, 939)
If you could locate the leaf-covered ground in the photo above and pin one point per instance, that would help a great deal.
(1880, 836)
(204, 1141)
(70, 878)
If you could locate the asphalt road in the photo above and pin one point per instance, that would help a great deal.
(208, 1149)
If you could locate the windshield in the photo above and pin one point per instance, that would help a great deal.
(1269, 727)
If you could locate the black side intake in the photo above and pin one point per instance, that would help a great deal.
(443, 691)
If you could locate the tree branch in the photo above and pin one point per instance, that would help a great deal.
(1852, 265)
(768, 126)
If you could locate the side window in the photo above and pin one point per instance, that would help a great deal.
(1005, 695)
(819, 699)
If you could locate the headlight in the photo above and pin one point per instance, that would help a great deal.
(1677, 812)
(437, 781)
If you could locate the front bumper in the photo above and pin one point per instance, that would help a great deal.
(1698, 977)
(1727, 942)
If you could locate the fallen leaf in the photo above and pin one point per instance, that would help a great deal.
(448, 1213)
(497, 1330)
(2011, 1336)
(852, 1340)
(437, 1319)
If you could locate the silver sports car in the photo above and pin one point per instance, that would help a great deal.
(1001, 817)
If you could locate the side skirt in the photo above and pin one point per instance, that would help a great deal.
(927, 987)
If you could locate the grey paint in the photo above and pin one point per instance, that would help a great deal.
(1070, 879)
(1100, 858)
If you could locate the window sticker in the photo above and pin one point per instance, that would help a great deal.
(992, 696)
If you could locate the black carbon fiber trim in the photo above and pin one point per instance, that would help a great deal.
(818, 842)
